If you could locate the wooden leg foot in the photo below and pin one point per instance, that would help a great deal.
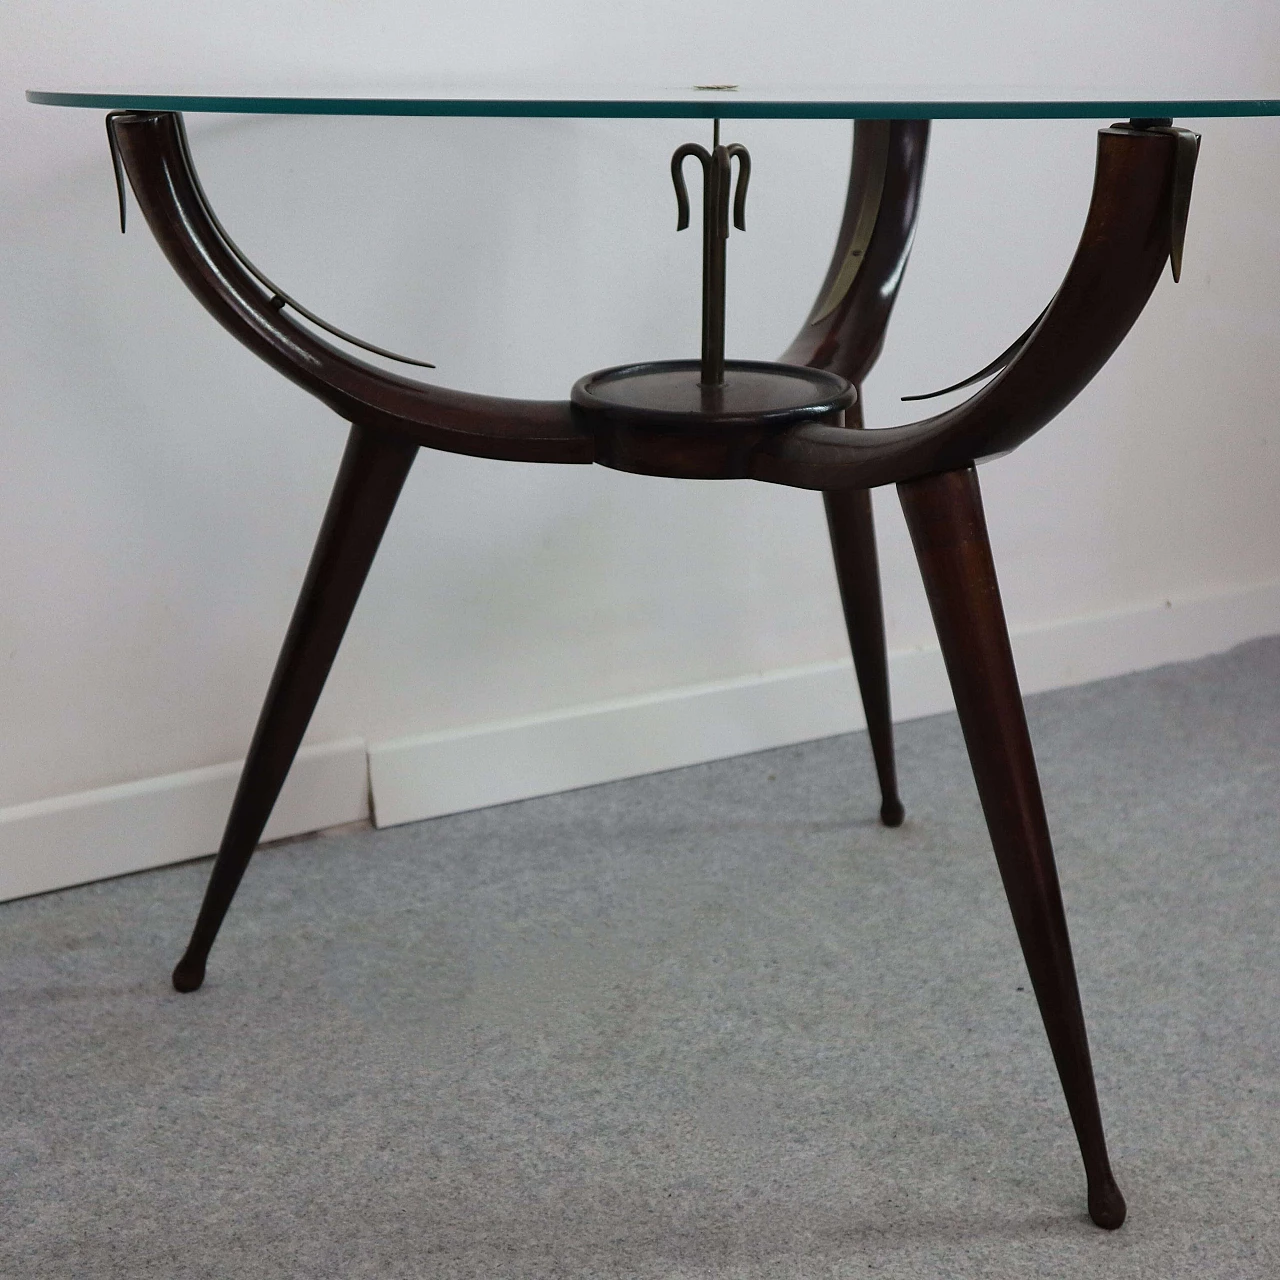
(948, 530)
(853, 544)
(374, 468)
(188, 973)
(1106, 1204)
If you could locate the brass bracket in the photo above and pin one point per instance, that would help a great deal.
(279, 299)
(868, 213)
(995, 366)
(1184, 169)
(1184, 172)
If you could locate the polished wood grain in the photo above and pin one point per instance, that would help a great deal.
(373, 470)
(1122, 252)
(886, 174)
(660, 418)
(949, 533)
(155, 156)
(1123, 248)
(853, 543)
(887, 171)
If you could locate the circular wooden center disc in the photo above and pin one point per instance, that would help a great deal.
(669, 393)
(659, 419)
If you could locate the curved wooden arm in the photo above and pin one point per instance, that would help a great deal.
(154, 153)
(844, 330)
(1122, 252)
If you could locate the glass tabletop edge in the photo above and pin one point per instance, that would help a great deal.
(722, 106)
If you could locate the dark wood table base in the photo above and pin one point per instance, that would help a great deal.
(1128, 235)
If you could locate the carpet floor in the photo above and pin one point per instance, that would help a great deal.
(712, 1022)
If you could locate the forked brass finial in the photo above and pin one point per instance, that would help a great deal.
(716, 181)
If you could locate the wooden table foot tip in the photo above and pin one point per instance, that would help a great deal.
(188, 974)
(1106, 1205)
(892, 813)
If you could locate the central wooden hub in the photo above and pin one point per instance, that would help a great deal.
(660, 419)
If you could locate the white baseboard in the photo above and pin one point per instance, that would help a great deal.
(430, 774)
(68, 840)
(434, 773)
(92, 835)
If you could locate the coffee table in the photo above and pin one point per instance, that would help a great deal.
(793, 422)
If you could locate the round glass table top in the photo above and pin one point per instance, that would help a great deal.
(568, 99)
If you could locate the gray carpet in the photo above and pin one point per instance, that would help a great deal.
(715, 1022)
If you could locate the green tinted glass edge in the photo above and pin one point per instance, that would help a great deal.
(722, 105)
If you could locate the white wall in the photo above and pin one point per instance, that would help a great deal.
(161, 488)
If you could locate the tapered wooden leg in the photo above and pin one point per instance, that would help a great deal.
(944, 514)
(369, 481)
(853, 543)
